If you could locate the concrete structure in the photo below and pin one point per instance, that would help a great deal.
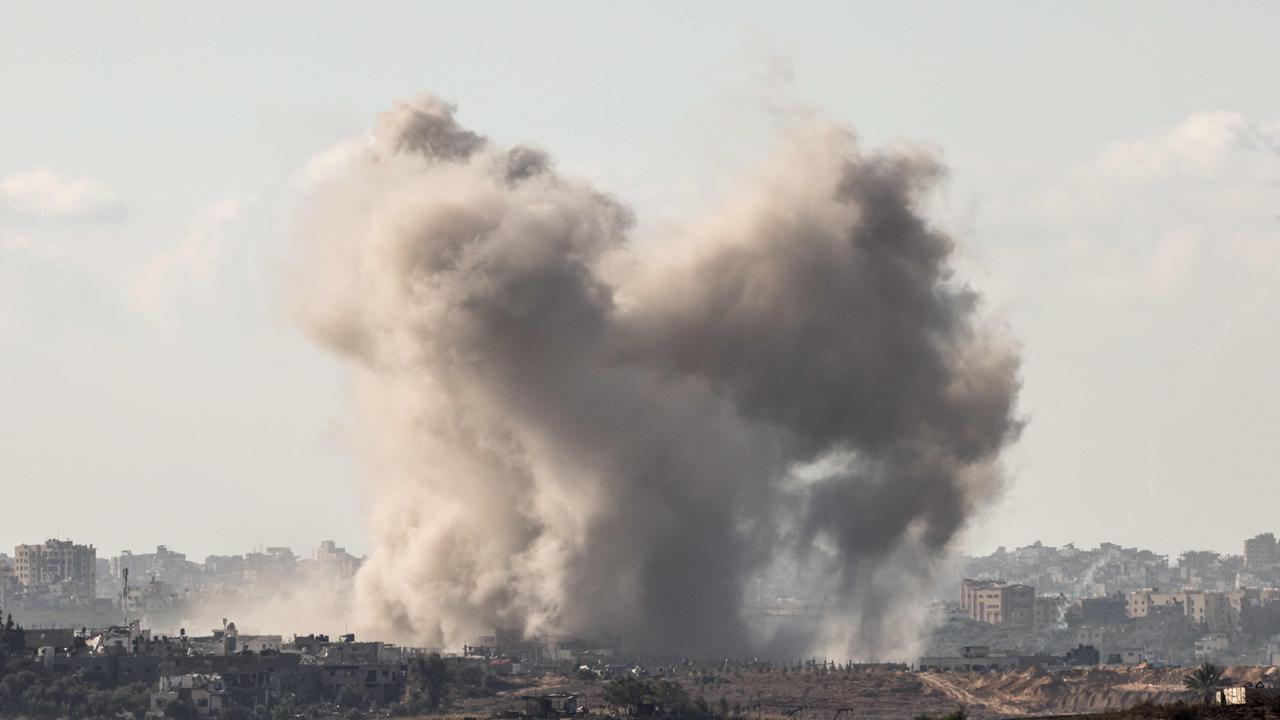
(257, 644)
(118, 640)
(976, 658)
(311, 644)
(59, 567)
(1206, 607)
(1209, 647)
(954, 663)
(150, 597)
(381, 682)
(1244, 695)
(9, 583)
(1082, 655)
(1127, 657)
(997, 603)
(1260, 552)
(1092, 635)
(559, 705)
(1048, 611)
(1103, 610)
(350, 652)
(331, 558)
(59, 640)
(229, 641)
(206, 693)
(163, 564)
(969, 594)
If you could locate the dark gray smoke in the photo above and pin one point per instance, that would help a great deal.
(567, 435)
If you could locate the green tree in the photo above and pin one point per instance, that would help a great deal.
(177, 709)
(349, 698)
(427, 682)
(1205, 678)
(629, 693)
(286, 709)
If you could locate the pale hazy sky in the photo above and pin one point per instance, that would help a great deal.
(1114, 185)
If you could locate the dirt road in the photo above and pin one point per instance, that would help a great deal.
(943, 684)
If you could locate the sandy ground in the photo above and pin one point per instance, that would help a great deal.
(883, 693)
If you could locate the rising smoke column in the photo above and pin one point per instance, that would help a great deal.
(566, 435)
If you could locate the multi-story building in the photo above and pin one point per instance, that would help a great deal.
(1260, 552)
(1240, 601)
(163, 564)
(1207, 570)
(271, 567)
(58, 566)
(997, 603)
(1209, 647)
(969, 595)
(1205, 607)
(337, 560)
(1048, 611)
(9, 583)
(152, 596)
(1093, 635)
(1208, 608)
(206, 693)
(1103, 610)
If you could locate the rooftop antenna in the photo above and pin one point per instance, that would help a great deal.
(124, 597)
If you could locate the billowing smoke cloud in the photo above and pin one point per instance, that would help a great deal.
(567, 434)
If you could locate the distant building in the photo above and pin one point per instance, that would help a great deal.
(1204, 607)
(336, 559)
(9, 583)
(1103, 610)
(1127, 657)
(1082, 655)
(206, 693)
(973, 657)
(1245, 694)
(381, 682)
(58, 566)
(1048, 611)
(1092, 635)
(163, 564)
(980, 658)
(258, 644)
(311, 644)
(1208, 648)
(1260, 552)
(229, 641)
(152, 596)
(997, 603)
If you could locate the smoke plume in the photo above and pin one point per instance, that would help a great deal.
(568, 434)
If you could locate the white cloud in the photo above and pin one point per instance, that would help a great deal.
(27, 246)
(44, 193)
(1144, 216)
(1171, 261)
(1204, 146)
(8, 320)
(330, 163)
(1140, 277)
(189, 272)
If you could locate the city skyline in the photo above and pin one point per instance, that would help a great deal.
(732, 360)
(1132, 253)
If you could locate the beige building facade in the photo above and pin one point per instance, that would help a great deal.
(58, 565)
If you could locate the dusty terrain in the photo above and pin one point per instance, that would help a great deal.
(884, 693)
